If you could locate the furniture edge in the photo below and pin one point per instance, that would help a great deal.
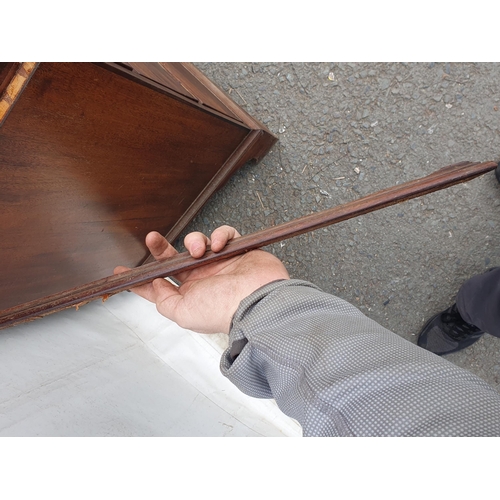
(15, 87)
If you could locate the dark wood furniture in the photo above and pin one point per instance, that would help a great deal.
(94, 156)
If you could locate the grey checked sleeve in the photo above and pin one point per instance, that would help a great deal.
(339, 373)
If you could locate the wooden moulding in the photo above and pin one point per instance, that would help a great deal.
(448, 176)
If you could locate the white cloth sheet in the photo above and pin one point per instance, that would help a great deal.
(119, 368)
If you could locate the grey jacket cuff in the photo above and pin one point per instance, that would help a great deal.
(246, 326)
(339, 373)
(237, 340)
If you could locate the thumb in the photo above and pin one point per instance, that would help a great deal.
(167, 298)
(151, 292)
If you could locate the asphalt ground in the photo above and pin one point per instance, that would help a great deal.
(347, 130)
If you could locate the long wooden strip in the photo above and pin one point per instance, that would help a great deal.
(448, 176)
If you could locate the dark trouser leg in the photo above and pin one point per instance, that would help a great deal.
(478, 301)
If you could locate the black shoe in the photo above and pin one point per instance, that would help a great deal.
(497, 172)
(447, 332)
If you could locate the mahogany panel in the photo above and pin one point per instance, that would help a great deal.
(90, 162)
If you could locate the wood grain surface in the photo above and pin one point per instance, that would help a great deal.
(91, 162)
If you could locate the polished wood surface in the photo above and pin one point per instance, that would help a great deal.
(90, 162)
(448, 176)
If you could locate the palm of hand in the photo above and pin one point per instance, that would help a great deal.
(208, 296)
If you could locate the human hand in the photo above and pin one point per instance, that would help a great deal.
(209, 295)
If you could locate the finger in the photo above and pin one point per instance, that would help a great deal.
(168, 299)
(196, 244)
(159, 247)
(221, 236)
(120, 269)
(146, 291)
(155, 291)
